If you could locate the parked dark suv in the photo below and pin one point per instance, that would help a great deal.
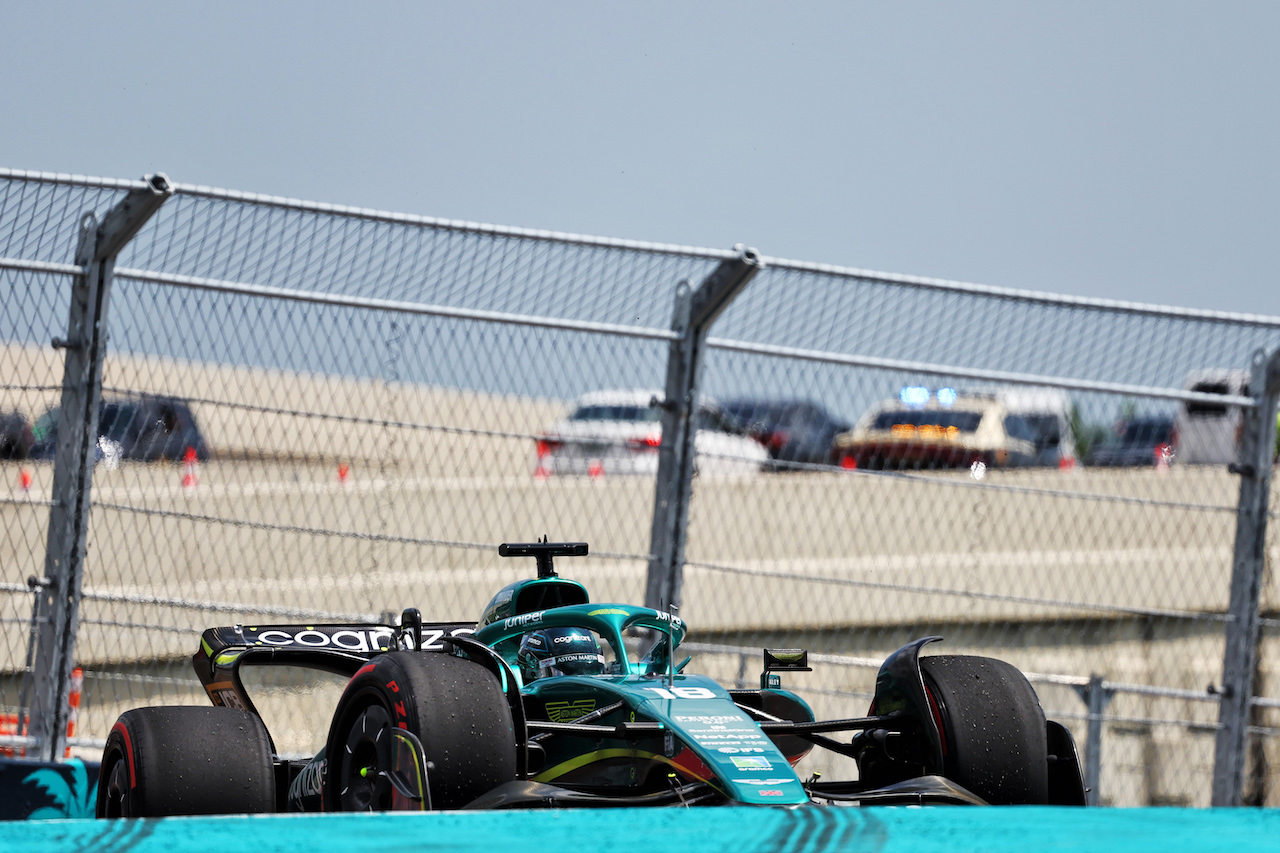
(1137, 442)
(146, 428)
(791, 430)
(16, 439)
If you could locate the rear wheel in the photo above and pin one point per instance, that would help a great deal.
(456, 709)
(993, 728)
(186, 760)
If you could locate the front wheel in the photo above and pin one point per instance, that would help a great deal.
(186, 760)
(992, 726)
(454, 707)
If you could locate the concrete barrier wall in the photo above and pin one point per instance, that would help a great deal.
(294, 534)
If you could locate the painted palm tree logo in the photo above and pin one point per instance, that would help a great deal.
(69, 799)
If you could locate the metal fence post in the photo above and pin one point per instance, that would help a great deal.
(695, 311)
(57, 606)
(1257, 442)
(1096, 696)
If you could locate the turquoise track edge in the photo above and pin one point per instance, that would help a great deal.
(740, 830)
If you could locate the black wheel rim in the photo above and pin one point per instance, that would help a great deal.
(117, 797)
(365, 754)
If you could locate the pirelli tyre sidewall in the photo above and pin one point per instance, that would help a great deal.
(454, 706)
(993, 729)
(186, 760)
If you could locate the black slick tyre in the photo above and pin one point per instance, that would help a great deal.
(186, 760)
(454, 706)
(993, 728)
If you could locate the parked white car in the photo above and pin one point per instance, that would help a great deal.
(619, 432)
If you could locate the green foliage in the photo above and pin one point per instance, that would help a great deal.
(1086, 436)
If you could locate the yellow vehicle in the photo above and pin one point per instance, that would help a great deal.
(948, 429)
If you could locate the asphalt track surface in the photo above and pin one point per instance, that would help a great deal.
(734, 830)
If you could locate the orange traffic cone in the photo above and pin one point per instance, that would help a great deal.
(73, 704)
(344, 471)
(595, 469)
(13, 724)
(24, 480)
(189, 470)
(541, 472)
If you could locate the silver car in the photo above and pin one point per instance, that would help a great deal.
(619, 432)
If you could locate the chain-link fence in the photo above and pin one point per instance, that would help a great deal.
(1108, 580)
(312, 413)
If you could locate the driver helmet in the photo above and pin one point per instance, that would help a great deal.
(559, 651)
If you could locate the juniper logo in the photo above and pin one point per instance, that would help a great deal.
(523, 619)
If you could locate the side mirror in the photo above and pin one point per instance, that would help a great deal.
(782, 660)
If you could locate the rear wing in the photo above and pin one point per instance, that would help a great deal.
(340, 649)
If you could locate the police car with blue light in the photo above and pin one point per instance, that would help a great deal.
(973, 429)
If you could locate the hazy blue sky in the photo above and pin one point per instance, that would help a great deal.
(1123, 150)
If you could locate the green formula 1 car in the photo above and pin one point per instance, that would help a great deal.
(553, 701)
